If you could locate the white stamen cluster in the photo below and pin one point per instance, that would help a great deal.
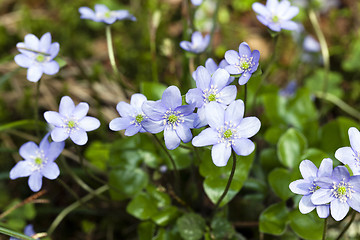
(313, 188)
(172, 119)
(103, 15)
(138, 119)
(342, 190)
(38, 160)
(245, 63)
(227, 133)
(70, 124)
(211, 94)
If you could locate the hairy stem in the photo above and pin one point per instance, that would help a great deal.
(111, 50)
(325, 228)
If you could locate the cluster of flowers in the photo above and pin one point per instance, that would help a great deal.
(331, 190)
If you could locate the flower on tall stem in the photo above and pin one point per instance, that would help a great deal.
(71, 121)
(170, 116)
(351, 155)
(210, 89)
(307, 186)
(103, 14)
(37, 55)
(39, 161)
(228, 130)
(341, 190)
(243, 62)
(276, 15)
(198, 43)
(131, 116)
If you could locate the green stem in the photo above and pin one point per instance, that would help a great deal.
(12, 233)
(347, 226)
(325, 228)
(35, 51)
(339, 103)
(228, 183)
(75, 205)
(111, 50)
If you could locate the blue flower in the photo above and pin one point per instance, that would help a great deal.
(228, 130)
(196, 2)
(351, 155)
(307, 186)
(311, 45)
(38, 161)
(103, 14)
(38, 56)
(243, 62)
(28, 231)
(131, 116)
(210, 89)
(289, 90)
(340, 190)
(169, 115)
(71, 122)
(276, 15)
(211, 66)
(198, 43)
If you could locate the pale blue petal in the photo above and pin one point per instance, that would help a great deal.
(200, 121)
(228, 94)
(172, 140)
(232, 69)
(282, 8)
(89, 124)
(322, 196)
(203, 78)
(185, 109)
(101, 8)
(80, 111)
(276, 27)
(195, 96)
(300, 186)
(207, 137)
(220, 154)
(272, 5)
(184, 133)
(31, 42)
(171, 97)
(66, 106)
(244, 50)
(50, 171)
(340, 173)
(137, 100)
(305, 205)
(211, 65)
(215, 115)
(196, 2)
(326, 168)
(21, 169)
(109, 20)
(34, 73)
(186, 45)
(243, 146)
(263, 20)
(118, 124)
(152, 126)
(35, 181)
(79, 136)
(235, 112)
(256, 56)
(355, 182)
(338, 209)
(323, 211)
(86, 13)
(189, 120)
(125, 109)
(45, 42)
(50, 68)
(197, 38)
(308, 170)
(324, 182)
(261, 9)
(154, 110)
(220, 78)
(244, 78)
(54, 118)
(44, 144)
(232, 57)
(23, 61)
(54, 49)
(54, 150)
(28, 150)
(354, 136)
(248, 127)
(290, 13)
(289, 25)
(59, 134)
(354, 201)
(29, 230)
(132, 130)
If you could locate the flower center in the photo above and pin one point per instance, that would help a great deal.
(313, 188)
(71, 124)
(139, 118)
(172, 119)
(342, 190)
(228, 133)
(107, 14)
(212, 97)
(245, 65)
(40, 58)
(38, 161)
(275, 19)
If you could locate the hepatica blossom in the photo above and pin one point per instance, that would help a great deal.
(196, 2)
(228, 130)
(38, 56)
(307, 186)
(39, 161)
(340, 190)
(28, 231)
(131, 116)
(210, 89)
(198, 43)
(103, 14)
(211, 66)
(170, 116)
(71, 121)
(351, 155)
(276, 15)
(243, 62)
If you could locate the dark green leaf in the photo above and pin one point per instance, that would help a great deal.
(191, 226)
(152, 90)
(146, 230)
(279, 180)
(142, 206)
(306, 226)
(273, 220)
(222, 228)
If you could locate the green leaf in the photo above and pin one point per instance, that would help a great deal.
(191, 226)
(273, 134)
(146, 230)
(222, 228)
(269, 159)
(314, 155)
(152, 90)
(60, 61)
(275, 108)
(142, 206)
(315, 82)
(163, 217)
(273, 220)
(291, 146)
(98, 154)
(279, 180)
(128, 182)
(306, 226)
